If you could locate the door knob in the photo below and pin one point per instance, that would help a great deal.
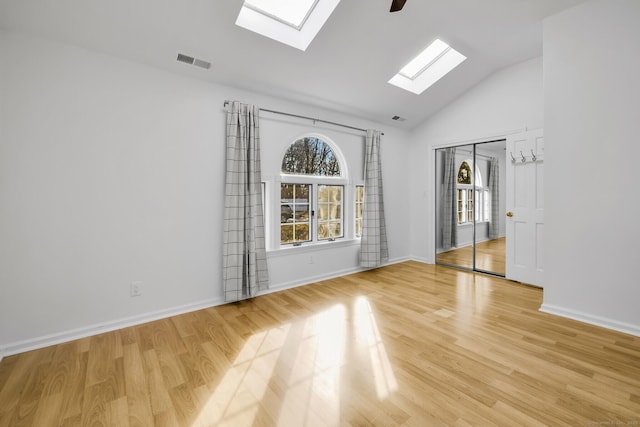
(509, 214)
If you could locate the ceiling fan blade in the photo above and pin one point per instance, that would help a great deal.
(397, 5)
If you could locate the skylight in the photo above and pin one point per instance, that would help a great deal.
(293, 22)
(428, 67)
(290, 12)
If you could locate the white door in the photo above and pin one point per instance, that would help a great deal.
(525, 207)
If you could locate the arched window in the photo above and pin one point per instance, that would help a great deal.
(473, 199)
(311, 192)
(310, 156)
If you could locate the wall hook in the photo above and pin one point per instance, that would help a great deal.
(513, 159)
(533, 156)
(524, 159)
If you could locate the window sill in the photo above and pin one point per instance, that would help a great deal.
(312, 247)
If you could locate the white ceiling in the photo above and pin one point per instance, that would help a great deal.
(346, 67)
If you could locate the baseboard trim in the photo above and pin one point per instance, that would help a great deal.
(603, 322)
(99, 328)
(310, 280)
(332, 275)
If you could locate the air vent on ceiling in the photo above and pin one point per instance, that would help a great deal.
(202, 64)
(193, 61)
(398, 118)
(186, 59)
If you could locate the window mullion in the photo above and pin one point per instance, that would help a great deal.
(314, 213)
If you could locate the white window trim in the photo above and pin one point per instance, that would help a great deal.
(429, 66)
(275, 29)
(313, 196)
(312, 179)
(272, 212)
(348, 203)
(306, 248)
(344, 167)
(272, 11)
(315, 181)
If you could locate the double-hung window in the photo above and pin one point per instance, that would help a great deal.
(329, 204)
(312, 193)
(295, 213)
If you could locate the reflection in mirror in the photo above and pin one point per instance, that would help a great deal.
(490, 209)
(470, 206)
(454, 206)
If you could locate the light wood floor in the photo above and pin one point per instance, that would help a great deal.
(409, 344)
(490, 256)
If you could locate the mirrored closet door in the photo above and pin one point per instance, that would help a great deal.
(470, 206)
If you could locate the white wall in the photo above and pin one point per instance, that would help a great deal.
(2, 96)
(329, 260)
(592, 107)
(113, 172)
(509, 100)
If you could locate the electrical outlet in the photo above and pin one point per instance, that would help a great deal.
(136, 289)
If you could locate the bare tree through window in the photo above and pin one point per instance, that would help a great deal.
(310, 156)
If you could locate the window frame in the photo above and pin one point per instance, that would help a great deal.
(316, 181)
(276, 28)
(313, 203)
(329, 220)
(294, 223)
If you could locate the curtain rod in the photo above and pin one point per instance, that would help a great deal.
(477, 155)
(308, 118)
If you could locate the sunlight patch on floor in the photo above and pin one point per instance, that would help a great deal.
(300, 364)
(367, 332)
(238, 395)
(313, 396)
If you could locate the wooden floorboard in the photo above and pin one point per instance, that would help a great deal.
(405, 345)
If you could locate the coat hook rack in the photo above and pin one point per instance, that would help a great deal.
(524, 159)
(533, 156)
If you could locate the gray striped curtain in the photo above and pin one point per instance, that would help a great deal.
(373, 243)
(494, 175)
(244, 255)
(450, 212)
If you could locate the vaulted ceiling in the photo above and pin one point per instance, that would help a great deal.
(346, 67)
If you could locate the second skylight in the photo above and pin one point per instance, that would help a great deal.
(428, 67)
